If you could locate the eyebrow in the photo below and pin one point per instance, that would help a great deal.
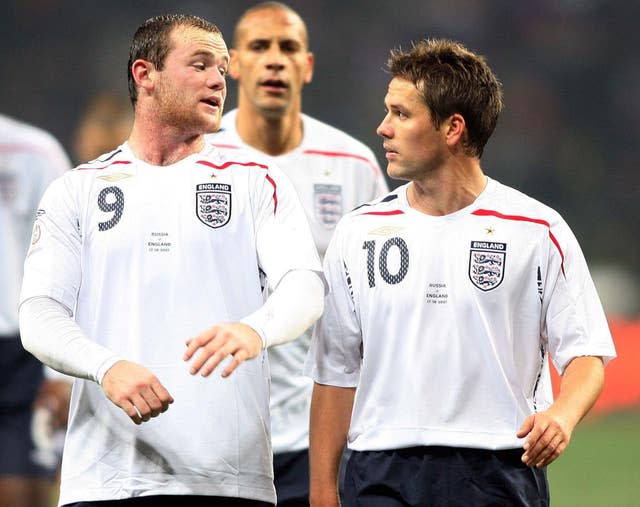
(210, 54)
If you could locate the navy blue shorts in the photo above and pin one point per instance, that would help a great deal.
(173, 501)
(291, 478)
(443, 477)
(21, 375)
(20, 378)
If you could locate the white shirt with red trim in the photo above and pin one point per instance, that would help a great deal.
(30, 159)
(147, 257)
(332, 173)
(444, 323)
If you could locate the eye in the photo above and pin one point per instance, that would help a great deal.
(200, 66)
(289, 46)
(259, 45)
(223, 71)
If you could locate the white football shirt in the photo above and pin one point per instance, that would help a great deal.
(148, 257)
(332, 173)
(30, 159)
(444, 323)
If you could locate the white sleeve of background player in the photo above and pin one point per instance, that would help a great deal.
(294, 305)
(574, 320)
(49, 332)
(335, 352)
(283, 238)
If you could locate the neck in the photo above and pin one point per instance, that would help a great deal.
(448, 189)
(271, 134)
(162, 145)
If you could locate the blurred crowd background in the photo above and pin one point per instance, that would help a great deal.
(569, 135)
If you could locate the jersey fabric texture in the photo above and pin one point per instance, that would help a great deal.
(148, 257)
(30, 159)
(332, 173)
(444, 324)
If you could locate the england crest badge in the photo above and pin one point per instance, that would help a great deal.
(328, 204)
(213, 204)
(486, 264)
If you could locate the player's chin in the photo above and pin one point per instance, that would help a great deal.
(212, 122)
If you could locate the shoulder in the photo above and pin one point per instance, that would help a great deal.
(389, 204)
(222, 158)
(324, 140)
(20, 137)
(17, 131)
(513, 205)
(116, 159)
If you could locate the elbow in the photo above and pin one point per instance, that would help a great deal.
(26, 334)
(317, 293)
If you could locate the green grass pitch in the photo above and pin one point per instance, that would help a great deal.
(601, 466)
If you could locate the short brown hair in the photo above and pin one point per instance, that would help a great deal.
(151, 41)
(452, 79)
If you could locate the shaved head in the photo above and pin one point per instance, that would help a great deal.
(269, 6)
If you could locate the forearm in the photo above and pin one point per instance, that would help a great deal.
(581, 384)
(50, 334)
(295, 304)
(329, 425)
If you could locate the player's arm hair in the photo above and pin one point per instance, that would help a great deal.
(295, 304)
(50, 333)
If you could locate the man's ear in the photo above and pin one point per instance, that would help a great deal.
(234, 70)
(308, 73)
(143, 73)
(455, 129)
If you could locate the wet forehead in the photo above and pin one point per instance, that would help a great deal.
(191, 40)
(267, 24)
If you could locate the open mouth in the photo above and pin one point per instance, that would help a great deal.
(274, 84)
(213, 101)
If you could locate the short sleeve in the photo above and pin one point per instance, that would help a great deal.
(334, 356)
(574, 320)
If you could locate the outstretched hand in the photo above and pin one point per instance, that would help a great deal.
(238, 340)
(547, 437)
(136, 390)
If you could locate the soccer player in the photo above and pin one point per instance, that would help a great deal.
(446, 298)
(134, 256)
(332, 173)
(30, 159)
(104, 124)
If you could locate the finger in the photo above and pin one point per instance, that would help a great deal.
(556, 454)
(212, 362)
(198, 341)
(536, 452)
(526, 427)
(163, 395)
(131, 411)
(237, 359)
(154, 403)
(204, 359)
(550, 453)
(539, 428)
(193, 344)
(141, 406)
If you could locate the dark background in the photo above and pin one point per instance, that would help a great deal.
(570, 68)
